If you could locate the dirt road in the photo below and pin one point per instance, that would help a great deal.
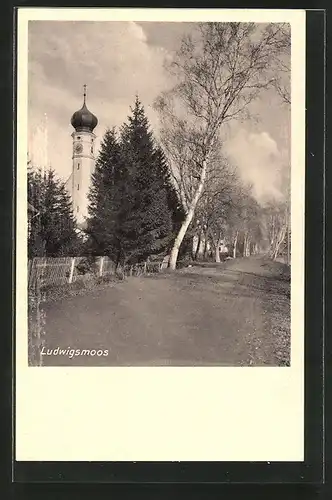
(232, 314)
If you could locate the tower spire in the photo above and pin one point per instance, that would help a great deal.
(83, 119)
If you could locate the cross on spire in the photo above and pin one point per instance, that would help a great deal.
(84, 92)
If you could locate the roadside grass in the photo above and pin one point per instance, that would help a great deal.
(278, 309)
(269, 282)
(79, 287)
(273, 285)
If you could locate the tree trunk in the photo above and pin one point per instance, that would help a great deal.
(217, 249)
(205, 253)
(178, 240)
(118, 259)
(280, 240)
(193, 248)
(198, 246)
(186, 223)
(245, 245)
(272, 240)
(248, 247)
(235, 245)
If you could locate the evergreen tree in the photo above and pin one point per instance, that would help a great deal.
(52, 232)
(105, 199)
(133, 209)
(146, 224)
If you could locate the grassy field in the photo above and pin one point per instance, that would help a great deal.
(235, 313)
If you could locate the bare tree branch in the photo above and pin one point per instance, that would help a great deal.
(219, 70)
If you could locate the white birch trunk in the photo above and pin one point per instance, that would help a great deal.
(280, 239)
(235, 245)
(217, 251)
(248, 247)
(186, 223)
(217, 254)
(245, 245)
(205, 254)
(196, 249)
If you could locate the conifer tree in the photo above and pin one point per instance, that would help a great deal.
(52, 231)
(133, 209)
(145, 218)
(105, 199)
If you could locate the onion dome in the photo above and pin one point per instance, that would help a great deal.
(83, 120)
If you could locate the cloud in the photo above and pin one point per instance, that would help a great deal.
(117, 60)
(260, 163)
(113, 59)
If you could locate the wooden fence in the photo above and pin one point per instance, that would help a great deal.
(48, 271)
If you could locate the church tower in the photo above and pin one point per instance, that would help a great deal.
(84, 122)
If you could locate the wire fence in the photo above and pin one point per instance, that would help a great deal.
(48, 271)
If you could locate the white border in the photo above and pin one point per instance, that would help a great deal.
(163, 414)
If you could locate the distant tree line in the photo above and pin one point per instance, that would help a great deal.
(52, 227)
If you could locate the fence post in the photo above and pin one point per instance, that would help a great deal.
(43, 272)
(70, 280)
(101, 265)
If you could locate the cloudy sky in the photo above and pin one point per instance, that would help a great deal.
(118, 60)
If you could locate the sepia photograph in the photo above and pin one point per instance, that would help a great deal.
(158, 190)
(160, 235)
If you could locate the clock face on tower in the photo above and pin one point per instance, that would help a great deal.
(78, 148)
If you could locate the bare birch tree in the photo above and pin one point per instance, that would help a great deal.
(282, 85)
(276, 226)
(218, 204)
(282, 70)
(219, 70)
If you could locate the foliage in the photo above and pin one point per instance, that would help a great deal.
(105, 198)
(219, 70)
(133, 208)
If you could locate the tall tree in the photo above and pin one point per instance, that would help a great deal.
(220, 69)
(52, 232)
(216, 203)
(276, 225)
(105, 199)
